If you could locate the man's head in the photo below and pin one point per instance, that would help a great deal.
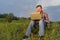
(38, 8)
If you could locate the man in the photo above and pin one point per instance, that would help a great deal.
(42, 22)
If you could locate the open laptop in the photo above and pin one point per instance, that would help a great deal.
(35, 16)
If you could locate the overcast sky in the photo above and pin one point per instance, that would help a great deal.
(25, 7)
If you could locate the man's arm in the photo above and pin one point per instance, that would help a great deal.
(47, 19)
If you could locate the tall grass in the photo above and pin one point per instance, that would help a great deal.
(17, 29)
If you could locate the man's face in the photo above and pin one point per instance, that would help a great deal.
(38, 9)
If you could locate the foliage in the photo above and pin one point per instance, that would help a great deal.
(18, 26)
(16, 30)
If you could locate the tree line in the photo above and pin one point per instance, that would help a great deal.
(9, 17)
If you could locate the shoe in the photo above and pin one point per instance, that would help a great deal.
(25, 37)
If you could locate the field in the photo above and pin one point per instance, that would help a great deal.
(16, 30)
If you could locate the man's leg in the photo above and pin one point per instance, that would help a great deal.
(28, 30)
(41, 28)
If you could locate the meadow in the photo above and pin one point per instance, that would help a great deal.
(16, 30)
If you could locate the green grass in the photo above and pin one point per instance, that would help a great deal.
(17, 29)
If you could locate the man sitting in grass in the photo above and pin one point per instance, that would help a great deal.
(42, 23)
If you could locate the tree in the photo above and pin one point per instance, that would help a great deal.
(10, 17)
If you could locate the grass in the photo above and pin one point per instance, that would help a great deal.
(17, 29)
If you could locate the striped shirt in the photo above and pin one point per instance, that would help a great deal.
(45, 16)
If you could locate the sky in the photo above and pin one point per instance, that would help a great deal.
(46, 3)
(22, 8)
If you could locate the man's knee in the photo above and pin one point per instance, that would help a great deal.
(31, 22)
(41, 22)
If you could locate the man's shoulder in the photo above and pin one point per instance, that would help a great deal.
(45, 13)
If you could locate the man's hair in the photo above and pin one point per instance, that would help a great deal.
(38, 6)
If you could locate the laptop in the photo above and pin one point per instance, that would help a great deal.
(35, 16)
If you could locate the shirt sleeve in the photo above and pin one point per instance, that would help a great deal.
(46, 16)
